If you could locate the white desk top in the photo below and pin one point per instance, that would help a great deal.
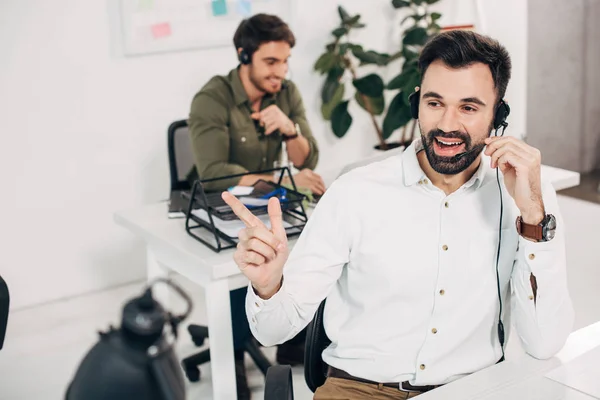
(522, 378)
(150, 222)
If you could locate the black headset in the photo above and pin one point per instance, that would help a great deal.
(500, 114)
(245, 56)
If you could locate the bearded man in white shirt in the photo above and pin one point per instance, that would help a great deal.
(417, 254)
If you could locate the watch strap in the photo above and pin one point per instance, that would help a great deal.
(533, 232)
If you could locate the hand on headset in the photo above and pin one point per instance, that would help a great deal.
(520, 164)
(273, 119)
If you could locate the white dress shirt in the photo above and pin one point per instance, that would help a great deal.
(410, 276)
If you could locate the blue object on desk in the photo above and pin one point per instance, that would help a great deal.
(279, 192)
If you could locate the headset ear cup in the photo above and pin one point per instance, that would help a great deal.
(244, 57)
(414, 104)
(502, 112)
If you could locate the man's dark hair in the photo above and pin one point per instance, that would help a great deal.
(459, 49)
(260, 29)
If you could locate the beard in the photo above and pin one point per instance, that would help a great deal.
(262, 84)
(457, 163)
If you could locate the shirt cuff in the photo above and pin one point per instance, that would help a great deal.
(538, 255)
(256, 305)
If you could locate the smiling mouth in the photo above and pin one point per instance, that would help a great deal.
(448, 143)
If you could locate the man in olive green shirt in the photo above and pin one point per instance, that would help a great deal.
(238, 122)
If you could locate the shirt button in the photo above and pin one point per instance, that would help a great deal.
(530, 297)
(253, 320)
(256, 304)
(446, 205)
(442, 292)
(425, 181)
(532, 256)
(422, 366)
(243, 139)
(434, 331)
(444, 247)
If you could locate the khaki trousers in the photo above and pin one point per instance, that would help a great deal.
(346, 389)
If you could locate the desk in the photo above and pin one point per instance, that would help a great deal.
(170, 248)
(522, 378)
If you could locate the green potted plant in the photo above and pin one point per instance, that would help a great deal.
(342, 58)
(420, 25)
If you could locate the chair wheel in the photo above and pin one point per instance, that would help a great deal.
(198, 341)
(193, 374)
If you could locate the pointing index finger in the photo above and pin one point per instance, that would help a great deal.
(240, 210)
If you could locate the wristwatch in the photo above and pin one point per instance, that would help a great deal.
(543, 232)
(294, 136)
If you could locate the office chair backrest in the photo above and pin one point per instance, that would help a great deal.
(315, 369)
(4, 306)
(181, 158)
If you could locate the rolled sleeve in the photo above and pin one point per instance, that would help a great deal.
(543, 319)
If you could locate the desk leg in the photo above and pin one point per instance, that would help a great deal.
(154, 270)
(221, 340)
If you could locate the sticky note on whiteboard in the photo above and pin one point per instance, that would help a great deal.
(219, 7)
(161, 30)
(244, 8)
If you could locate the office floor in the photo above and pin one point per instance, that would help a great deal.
(44, 344)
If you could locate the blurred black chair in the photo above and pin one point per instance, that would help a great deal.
(4, 305)
(279, 377)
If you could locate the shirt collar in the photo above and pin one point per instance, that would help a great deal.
(239, 93)
(414, 174)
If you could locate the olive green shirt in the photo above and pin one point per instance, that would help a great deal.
(227, 141)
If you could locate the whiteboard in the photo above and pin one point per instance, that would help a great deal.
(153, 26)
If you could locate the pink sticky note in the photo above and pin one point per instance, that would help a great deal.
(161, 30)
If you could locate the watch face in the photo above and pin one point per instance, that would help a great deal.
(549, 227)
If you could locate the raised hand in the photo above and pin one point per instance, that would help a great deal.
(520, 164)
(273, 119)
(261, 252)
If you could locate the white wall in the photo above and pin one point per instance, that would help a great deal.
(84, 129)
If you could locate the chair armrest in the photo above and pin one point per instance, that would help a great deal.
(279, 385)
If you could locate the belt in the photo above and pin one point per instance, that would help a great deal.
(403, 386)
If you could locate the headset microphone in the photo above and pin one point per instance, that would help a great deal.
(475, 149)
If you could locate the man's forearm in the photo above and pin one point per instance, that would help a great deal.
(249, 180)
(298, 150)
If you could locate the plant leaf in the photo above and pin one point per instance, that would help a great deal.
(372, 85)
(331, 84)
(401, 80)
(341, 119)
(416, 35)
(353, 21)
(326, 62)
(400, 3)
(409, 53)
(417, 2)
(344, 16)
(370, 57)
(327, 108)
(431, 1)
(377, 104)
(397, 116)
(435, 16)
(339, 32)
